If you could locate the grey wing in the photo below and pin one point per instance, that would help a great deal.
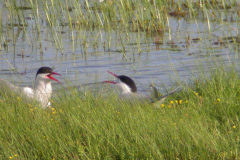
(19, 90)
(7, 85)
(154, 92)
(161, 99)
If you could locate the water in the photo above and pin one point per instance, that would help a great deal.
(160, 64)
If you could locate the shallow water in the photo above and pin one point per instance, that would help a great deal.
(159, 63)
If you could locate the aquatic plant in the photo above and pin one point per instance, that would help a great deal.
(143, 17)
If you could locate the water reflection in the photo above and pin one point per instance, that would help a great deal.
(147, 58)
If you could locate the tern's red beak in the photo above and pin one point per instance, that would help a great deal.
(111, 81)
(52, 78)
(113, 74)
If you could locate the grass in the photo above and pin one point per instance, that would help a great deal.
(200, 122)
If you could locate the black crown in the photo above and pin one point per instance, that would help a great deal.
(128, 81)
(43, 70)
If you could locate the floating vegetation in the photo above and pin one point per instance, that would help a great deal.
(24, 8)
(140, 22)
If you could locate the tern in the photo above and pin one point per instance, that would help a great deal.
(128, 90)
(42, 90)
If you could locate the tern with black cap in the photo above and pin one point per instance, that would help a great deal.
(42, 90)
(128, 90)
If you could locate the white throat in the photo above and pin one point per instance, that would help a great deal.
(124, 89)
(43, 90)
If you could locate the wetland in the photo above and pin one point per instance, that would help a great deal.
(194, 43)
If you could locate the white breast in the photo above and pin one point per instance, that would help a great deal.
(42, 91)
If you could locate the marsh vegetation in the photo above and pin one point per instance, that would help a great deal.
(194, 43)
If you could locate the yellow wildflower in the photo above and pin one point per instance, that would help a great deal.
(53, 111)
(186, 101)
(180, 102)
(15, 155)
(218, 99)
(171, 102)
(162, 105)
(10, 157)
(234, 127)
